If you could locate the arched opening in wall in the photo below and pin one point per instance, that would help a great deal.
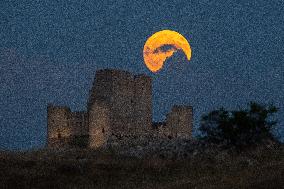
(170, 137)
(59, 135)
(103, 130)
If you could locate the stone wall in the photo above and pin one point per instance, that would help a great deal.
(99, 124)
(129, 98)
(58, 125)
(122, 101)
(66, 128)
(102, 87)
(119, 109)
(79, 123)
(180, 121)
(143, 103)
(165, 132)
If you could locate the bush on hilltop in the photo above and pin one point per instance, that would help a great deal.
(239, 128)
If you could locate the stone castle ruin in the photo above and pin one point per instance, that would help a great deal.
(119, 106)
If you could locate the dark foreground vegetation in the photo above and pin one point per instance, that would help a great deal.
(258, 167)
(240, 128)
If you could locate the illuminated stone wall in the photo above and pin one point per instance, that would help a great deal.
(59, 129)
(64, 126)
(129, 97)
(99, 124)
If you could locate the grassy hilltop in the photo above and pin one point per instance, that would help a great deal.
(261, 167)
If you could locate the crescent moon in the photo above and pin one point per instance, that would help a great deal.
(162, 45)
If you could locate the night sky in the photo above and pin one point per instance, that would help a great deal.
(50, 50)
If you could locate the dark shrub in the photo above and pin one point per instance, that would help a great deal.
(239, 128)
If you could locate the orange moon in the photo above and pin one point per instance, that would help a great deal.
(162, 45)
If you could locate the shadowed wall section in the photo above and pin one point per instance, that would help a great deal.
(143, 103)
(79, 123)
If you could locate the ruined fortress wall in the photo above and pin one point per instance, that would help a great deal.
(99, 126)
(58, 124)
(117, 88)
(143, 102)
(119, 106)
(79, 123)
(122, 101)
(164, 132)
(180, 121)
(102, 87)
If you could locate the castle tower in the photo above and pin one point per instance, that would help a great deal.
(102, 87)
(59, 130)
(143, 102)
(180, 121)
(99, 124)
(118, 89)
(122, 101)
(129, 98)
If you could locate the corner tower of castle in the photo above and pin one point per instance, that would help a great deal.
(64, 126)
(59, 129)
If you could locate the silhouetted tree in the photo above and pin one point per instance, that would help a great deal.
(239, 128)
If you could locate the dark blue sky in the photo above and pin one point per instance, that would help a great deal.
(50, 50)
